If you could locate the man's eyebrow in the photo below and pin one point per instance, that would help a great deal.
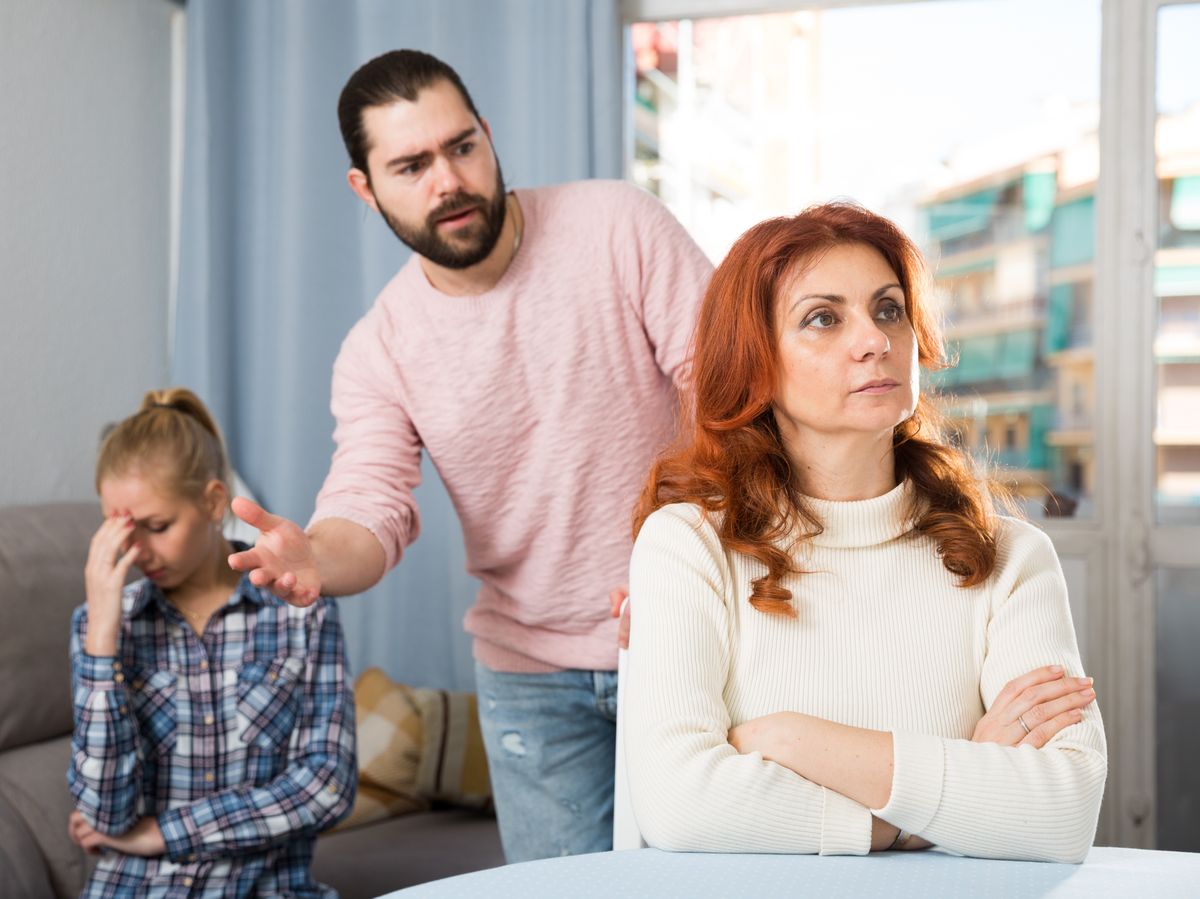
(425, 154)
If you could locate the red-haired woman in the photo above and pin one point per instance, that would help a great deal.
(838, 646)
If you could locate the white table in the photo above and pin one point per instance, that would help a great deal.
(646, 873)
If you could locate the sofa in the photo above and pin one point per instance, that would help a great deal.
(42, 553)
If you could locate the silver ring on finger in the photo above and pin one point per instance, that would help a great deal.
(1024, 726)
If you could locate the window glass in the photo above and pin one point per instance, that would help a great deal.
(1177, 267)
(930, 114)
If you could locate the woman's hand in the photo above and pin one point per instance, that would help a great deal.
(1032, 708)
(144, 838)
(109, 558)
(884, 836)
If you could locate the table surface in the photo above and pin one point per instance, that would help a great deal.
(652, 873)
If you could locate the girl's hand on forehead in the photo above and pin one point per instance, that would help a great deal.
(110, 556)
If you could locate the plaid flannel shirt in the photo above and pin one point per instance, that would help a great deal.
(240, 741)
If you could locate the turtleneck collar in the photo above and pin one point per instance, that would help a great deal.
(865, 522)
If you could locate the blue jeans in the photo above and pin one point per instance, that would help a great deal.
(550, 741)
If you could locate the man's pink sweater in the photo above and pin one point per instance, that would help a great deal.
(541, 402)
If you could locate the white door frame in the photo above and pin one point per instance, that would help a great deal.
(1128, 117)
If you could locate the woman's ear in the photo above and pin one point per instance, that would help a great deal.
(216, 500)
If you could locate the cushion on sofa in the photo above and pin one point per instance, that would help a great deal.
(42, 553)
(415, 745)
(33, 781)
(389, 749)
(453, 766)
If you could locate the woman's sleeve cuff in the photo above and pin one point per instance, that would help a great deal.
(99, 672)
(845, 826)
(918, 769)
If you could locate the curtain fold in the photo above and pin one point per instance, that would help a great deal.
(278, 259)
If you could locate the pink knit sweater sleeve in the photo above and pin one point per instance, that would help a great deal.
(377, 460)
(665, 278)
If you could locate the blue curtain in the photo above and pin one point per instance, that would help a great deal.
(278, 258)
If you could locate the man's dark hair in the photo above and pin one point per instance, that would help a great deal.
(396, 75)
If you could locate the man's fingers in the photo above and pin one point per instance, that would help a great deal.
(286, 587)
(616, 596)
(254, 514)
(256, 557)
(264, 577)
(304, 597)
(242, 561)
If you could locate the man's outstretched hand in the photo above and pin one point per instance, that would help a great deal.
(281, 560)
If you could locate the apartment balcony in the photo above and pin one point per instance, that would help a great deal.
(1068, 437)
(993, 316)
(1178, 345)
(1177, 435)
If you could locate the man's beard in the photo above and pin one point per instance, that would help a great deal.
(471, 244)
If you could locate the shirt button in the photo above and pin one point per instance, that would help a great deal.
(204, 664)
(209, 777)
(192, 857)
(208, 719)
(116, 666)
(118, 677)
(187, 881)
(332, 789)
(123, 709)
(272, 676)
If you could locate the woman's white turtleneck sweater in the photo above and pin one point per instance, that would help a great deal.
(883, 638)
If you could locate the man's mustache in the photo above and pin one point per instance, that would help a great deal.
(455, 204)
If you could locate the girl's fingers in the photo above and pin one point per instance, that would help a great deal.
(108, 540)
(123, 563)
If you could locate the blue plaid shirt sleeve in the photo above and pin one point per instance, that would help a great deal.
(105, 774)
(316, 791)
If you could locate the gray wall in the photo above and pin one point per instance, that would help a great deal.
(85, 90)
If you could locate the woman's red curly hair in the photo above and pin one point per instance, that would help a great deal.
(730, 458)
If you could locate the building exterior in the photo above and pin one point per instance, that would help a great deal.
(1014, 254)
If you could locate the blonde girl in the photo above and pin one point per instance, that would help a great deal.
(214, 726)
